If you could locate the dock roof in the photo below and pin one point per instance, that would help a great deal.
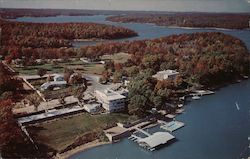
(156, 139)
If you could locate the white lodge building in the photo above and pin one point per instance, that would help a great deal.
(111, 101)
(166, 74)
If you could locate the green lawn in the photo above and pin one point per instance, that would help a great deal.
(76, 65)
(118, 58)
(32, 70)
(61, 133)
(94, 68)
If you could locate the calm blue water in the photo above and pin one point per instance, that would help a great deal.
(145, 31)
(214, 129)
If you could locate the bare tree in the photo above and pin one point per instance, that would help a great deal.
(41, 72)
(34, 100)
(62, 100)
(79, 91)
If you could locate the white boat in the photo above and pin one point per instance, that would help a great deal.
(180, 105)
(196, 97)
(179, 111)
(237, 106)
(246, 77)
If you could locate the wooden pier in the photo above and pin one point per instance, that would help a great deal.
(171, 126)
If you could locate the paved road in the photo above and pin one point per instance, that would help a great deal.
(95, 85)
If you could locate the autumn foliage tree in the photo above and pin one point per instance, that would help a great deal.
(232, 21)
(52, 40)
(8, 127)
(208, 58)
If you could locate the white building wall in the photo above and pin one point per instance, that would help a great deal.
(110, 106)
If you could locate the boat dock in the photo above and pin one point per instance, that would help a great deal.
(137, 134)
(118, 132)
(170, 116)
(204, 92)
(199, 93)
(179, 111)
(134, 138)
(151, 142)
(155, 140)
(171, 126)
(142, 131)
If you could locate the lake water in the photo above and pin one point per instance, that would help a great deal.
(214, 129)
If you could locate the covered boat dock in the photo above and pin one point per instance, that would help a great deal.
(153, 141)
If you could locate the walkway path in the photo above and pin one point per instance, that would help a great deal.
(45, 105)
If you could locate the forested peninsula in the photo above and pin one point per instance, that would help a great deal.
(42, 40)
(193, 20)
(208, 58)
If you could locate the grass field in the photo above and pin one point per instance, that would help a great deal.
(32, 70)
(61, 133)
(94, 68)
(59, 68)
(76, 65)
(118, 58)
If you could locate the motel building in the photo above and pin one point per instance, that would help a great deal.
(166, 74)
(111, 100)
(58, 81)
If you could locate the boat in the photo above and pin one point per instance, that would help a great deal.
(237, 106)
(196, 97)
(246, 77)
(179, 111)
(180, 105)
(182, 98)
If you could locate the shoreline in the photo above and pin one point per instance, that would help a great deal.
(188, 28)
(89, 40)
(110, 15)
(208, 28)
(181, 27)
(81, 148)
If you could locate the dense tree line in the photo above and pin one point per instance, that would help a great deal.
(36, 39)
(216, 20)
(15, 13)
(204, 58)
(53, 35)
(29, 55)
(13, 142)
(146, 92)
